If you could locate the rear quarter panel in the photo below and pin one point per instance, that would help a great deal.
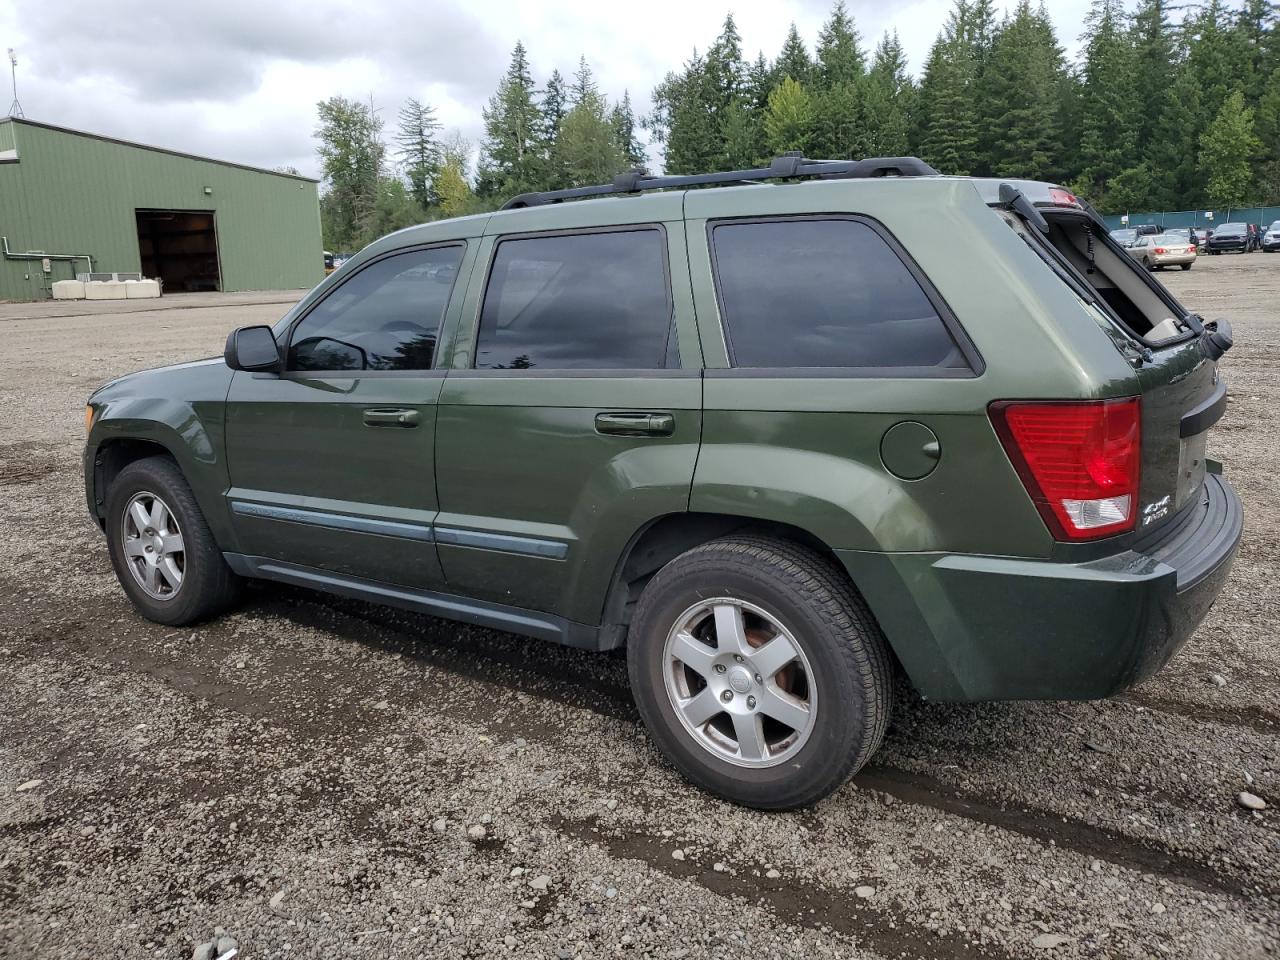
(788, 446)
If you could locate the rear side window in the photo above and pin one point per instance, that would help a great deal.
(578, 301)
(386, 317)
(824, 293)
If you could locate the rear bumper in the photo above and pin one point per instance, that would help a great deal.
(998, 628)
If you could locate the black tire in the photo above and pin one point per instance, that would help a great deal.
(850, 662)
(1147, 265)
(1185, 266)
(208, 586)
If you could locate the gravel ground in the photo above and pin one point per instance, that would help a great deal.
(314, 777)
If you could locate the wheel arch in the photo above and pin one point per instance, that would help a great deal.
(664, 538)
(116, 442)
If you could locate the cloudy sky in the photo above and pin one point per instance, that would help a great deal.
(239, 79)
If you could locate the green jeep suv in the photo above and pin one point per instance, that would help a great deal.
(781, 437)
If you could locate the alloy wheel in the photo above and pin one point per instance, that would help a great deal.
(153, 547)
(739, 682)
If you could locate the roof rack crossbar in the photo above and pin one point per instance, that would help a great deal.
(789, 166)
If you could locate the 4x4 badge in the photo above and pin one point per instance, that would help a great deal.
(1154, 511)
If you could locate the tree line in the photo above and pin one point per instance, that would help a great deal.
(1158, 112)
(563, 134)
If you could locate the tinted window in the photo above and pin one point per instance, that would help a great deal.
(1230, 229)
(386, 317)
(824, 293)
(580, 301)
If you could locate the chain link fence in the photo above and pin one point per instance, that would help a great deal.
(1197, 218)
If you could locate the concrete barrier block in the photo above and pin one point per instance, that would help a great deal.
(68, 290)
(104, 290)
(141, 289)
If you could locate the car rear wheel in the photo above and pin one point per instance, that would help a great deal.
(162, 550)
(1185, 266)
(1146, 263)
(759, 671)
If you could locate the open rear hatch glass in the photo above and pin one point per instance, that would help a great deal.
(1173, 354)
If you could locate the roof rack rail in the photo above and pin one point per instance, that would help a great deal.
(789, 166)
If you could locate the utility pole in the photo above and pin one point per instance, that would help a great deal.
(15, 108)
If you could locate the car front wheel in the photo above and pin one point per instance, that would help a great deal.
(759, 671)
(162, 550)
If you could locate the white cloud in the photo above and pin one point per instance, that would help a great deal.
(239, 79)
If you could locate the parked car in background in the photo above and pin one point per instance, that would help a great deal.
(1271, 239)
(1233, 237)
(1124, 237)
(1164, 250)
(1148, 229)
(1190, 234)
(329, 265)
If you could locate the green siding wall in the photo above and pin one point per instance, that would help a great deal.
(74, 194)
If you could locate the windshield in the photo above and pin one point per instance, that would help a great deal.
(1121, 235)
(1230, 228)
(1275, 226)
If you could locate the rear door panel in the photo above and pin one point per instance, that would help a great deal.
(536, 503)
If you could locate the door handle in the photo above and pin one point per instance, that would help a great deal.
(636, 424)
(390, 417)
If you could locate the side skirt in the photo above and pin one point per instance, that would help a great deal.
(529, 623)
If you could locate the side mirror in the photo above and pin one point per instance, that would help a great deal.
(253, 349)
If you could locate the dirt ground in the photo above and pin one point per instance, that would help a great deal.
(303, 773)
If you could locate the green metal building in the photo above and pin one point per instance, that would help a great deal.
(73, 203)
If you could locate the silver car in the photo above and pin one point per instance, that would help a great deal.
(1163, 250)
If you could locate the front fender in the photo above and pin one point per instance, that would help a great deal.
(146, 408)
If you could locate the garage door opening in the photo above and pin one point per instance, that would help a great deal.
(180, 247)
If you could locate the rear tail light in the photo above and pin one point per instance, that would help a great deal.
(1160, 250)
(1078, 460)
(1191, 249)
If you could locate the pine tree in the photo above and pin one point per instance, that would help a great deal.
(1171, 154)
(760, 81)
(681, 120)
(419, 152)
(839, 73)
(1153, 67)
(1227, 150)
(552, 107)
(587, 148)
(510, 158)
(889, 100)
(1267, 127)
(793, 60)
(1109, 116)
(624, 132)
(789, 120)
(1256, 30)
(701, 114)
(840, 60)
(1021, 97)
(584, 83)
(946, 121)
